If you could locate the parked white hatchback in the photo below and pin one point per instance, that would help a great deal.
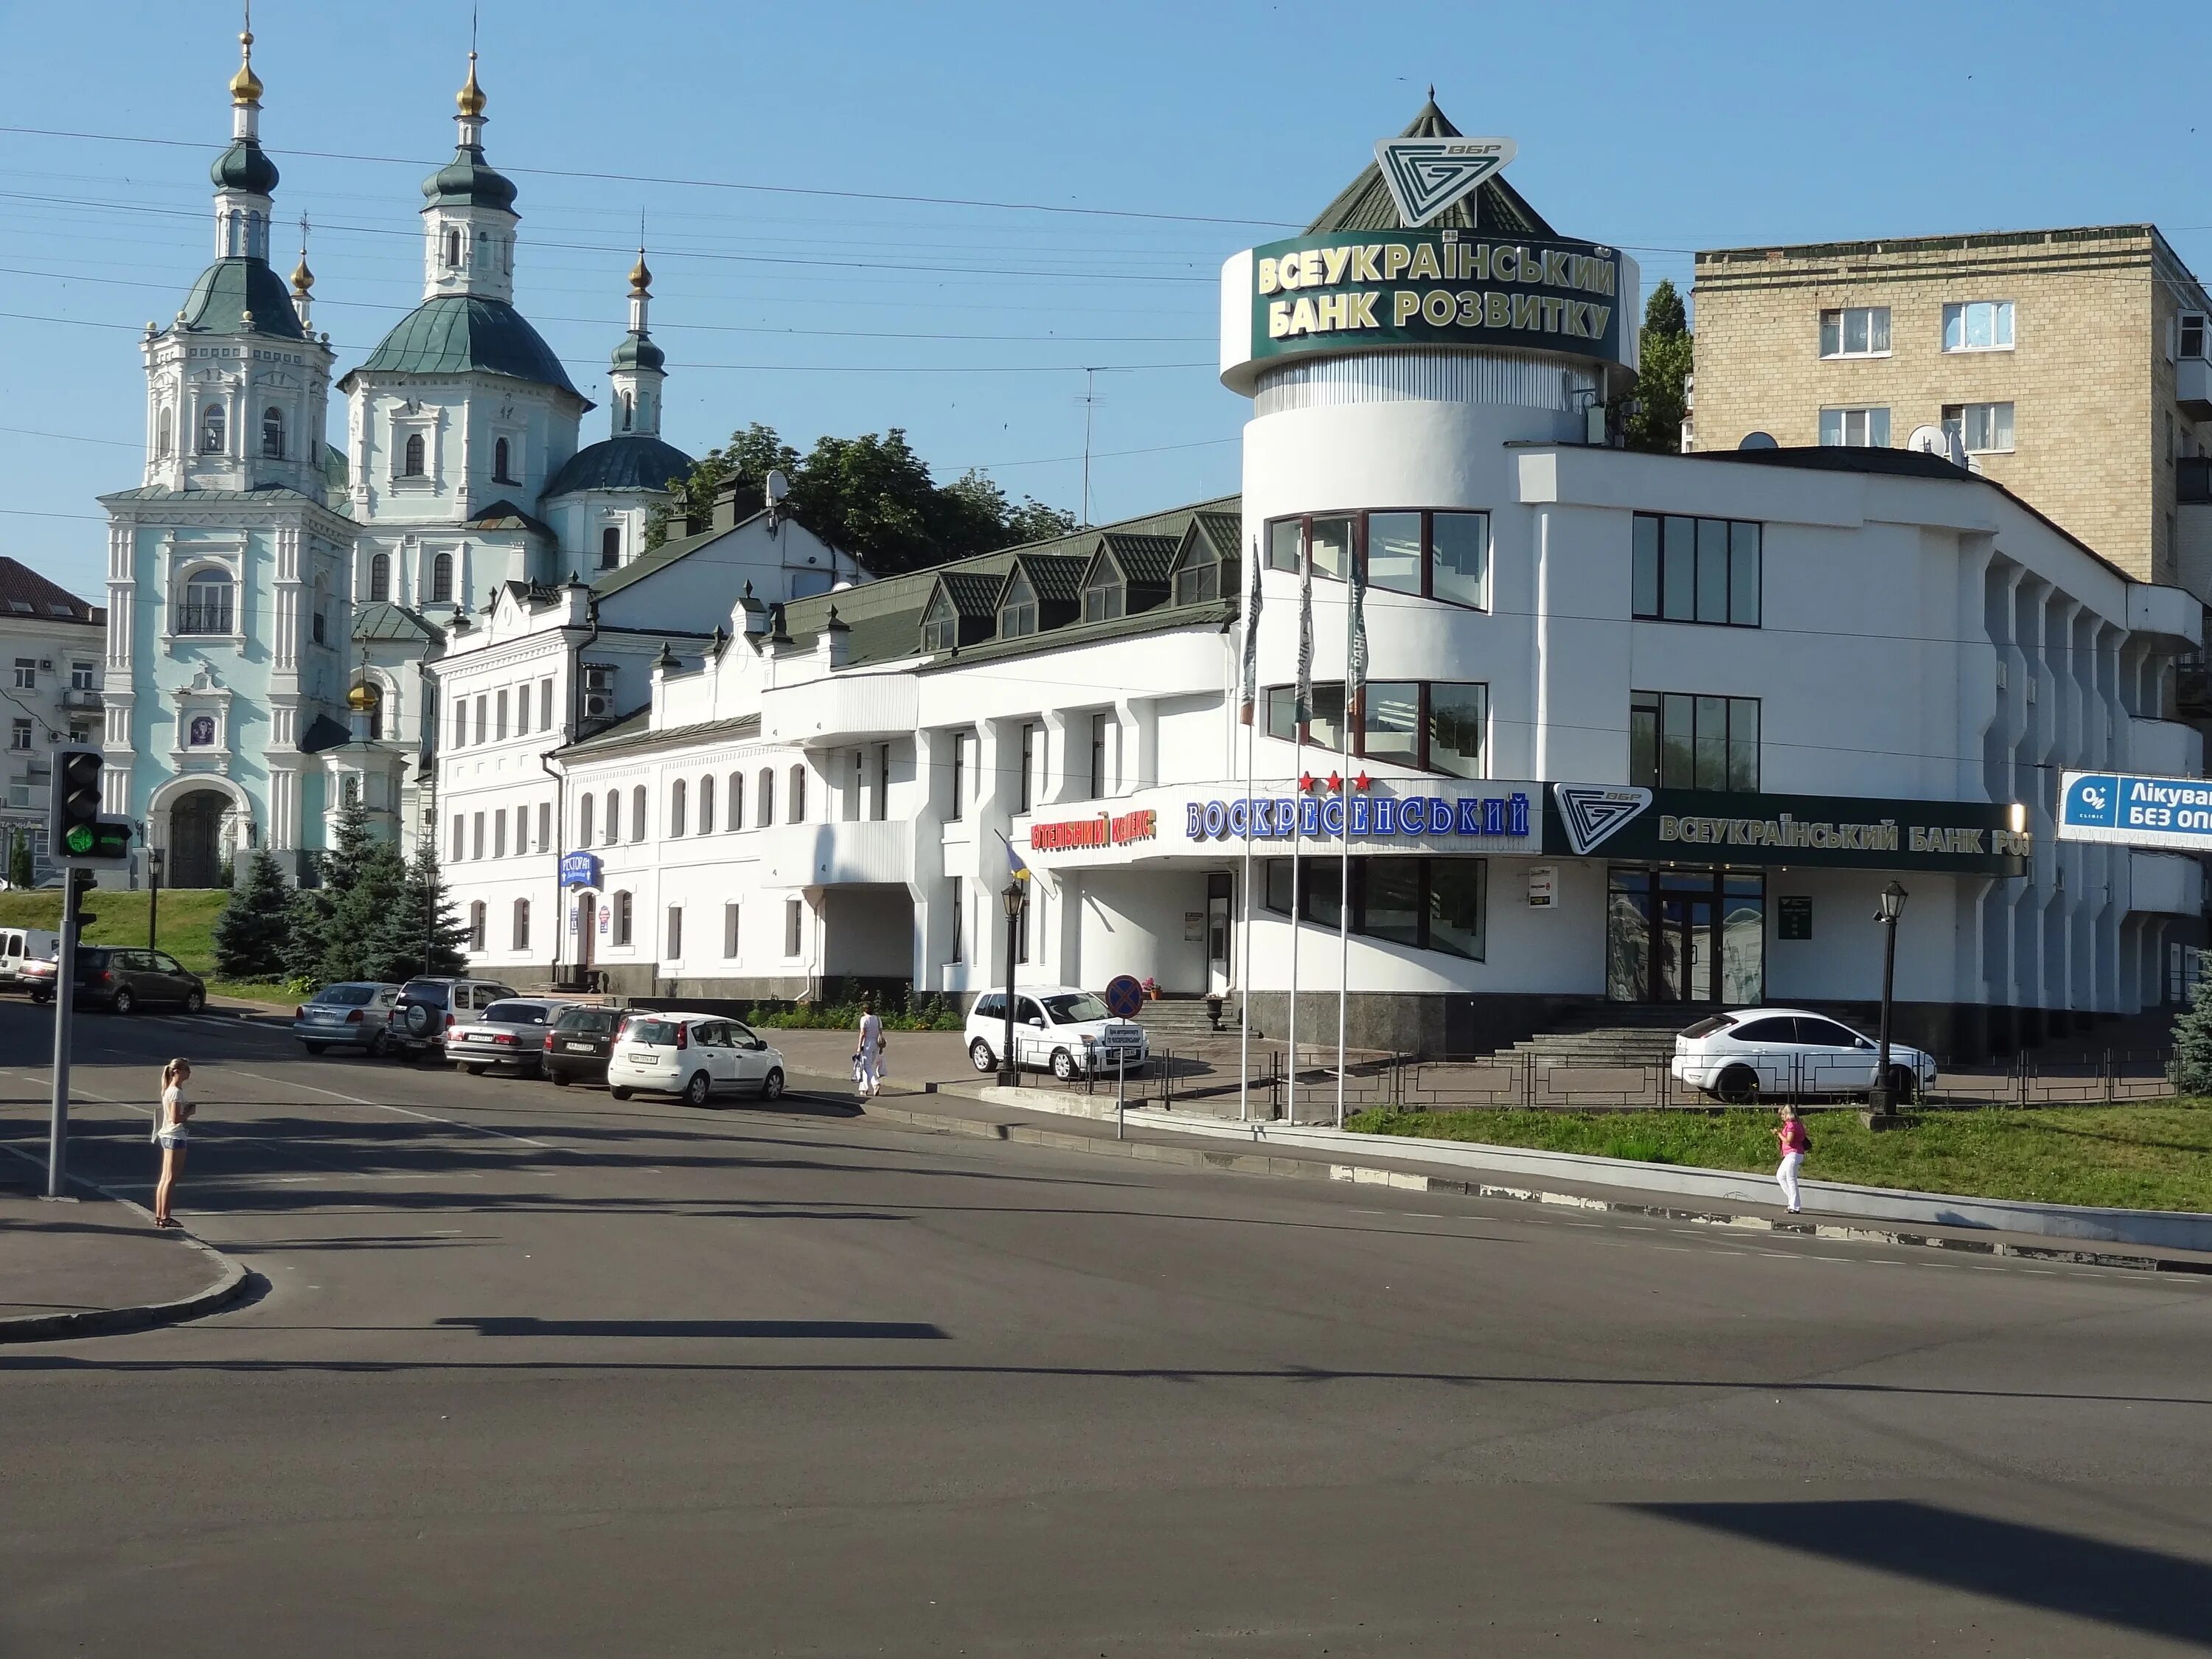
(1056, 1027)
(692, 1056)
(1738, 1057)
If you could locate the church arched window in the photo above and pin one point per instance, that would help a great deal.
(207, 608)
(165, 434)
(272, 434)
(231, 226)
(499, 462)
(628, 409)
(614, 816)
(211, 429)
(609, 547)
(441, 580)
(454, 248)
(410, 462)
(379, 577)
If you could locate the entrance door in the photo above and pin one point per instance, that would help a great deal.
(1219, 932)
(1686, 936)
(195, 839)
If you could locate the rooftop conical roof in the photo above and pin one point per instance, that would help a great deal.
(1365, 204)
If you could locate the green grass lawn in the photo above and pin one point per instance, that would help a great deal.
(2144, 1157)
(187, 918)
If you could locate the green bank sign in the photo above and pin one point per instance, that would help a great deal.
(1351, 290)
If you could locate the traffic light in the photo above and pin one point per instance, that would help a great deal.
(76, 830)
(81, 882)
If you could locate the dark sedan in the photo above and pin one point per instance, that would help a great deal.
(578, 1043)
(110, 977)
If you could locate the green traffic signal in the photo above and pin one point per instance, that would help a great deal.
(79, 839)
(100, 838)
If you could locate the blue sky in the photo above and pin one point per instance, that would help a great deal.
(1663, 129)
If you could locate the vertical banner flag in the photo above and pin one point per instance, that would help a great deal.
(1252, 639)
(1305, 640)
(1357, 675)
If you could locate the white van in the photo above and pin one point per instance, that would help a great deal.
(20, 944)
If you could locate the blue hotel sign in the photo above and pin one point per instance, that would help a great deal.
(2136, 812)
(580, 869)
(1373, 817)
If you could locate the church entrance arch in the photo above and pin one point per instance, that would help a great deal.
(196, 838)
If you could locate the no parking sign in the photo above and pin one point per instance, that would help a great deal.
(1125, 998)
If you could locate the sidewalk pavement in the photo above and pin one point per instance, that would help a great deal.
(963, 1113)
(96, 1266)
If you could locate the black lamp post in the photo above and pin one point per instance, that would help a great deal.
(1881, 1100)
(1015, 896)
(155, 859)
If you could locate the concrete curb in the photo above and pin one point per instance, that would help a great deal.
(229, 1284)
(1314, 1169)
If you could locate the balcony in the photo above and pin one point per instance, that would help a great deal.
(85, 697)
(867, 853)
(2193, 386)
(833, 710)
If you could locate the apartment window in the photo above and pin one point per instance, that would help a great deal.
(1985, 429)
(625, 915)
(1855, 428)
(1018, 612)
(883, 782)
(545, 705)
(272, 434)
(521, 924)
(19, 736)
(454, 851)
(500, 730)
(1100, 724)
(1104, 599)
(730, 933)
(584, 820)
(637, 813)
(766, 814)
(521, 711)
(206, 609)
(795, 806)
(1978, 325)
(1428, 726)
(853, 795)
(959, 923)
(544, 826)
(791, 926)
(737, 797)
(609, 547)
(1199, 577)
(1701, 570)
(1428, 903)
(1023, 795)
(211, 429)
(477, 835)
(707, 805)
(84, 676)
(499, 462)
(614, 816)
(484, 717)
(1286, 544)
(676, 808)
(1855, 331)
(675, 952)
(499, 834)
(380, 576)
(1680, 740)
(26, 673)
(476, 925)
(959, 803)
(1432, 555)
(2191, 331)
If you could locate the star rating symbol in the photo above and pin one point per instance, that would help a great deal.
(1362, 782)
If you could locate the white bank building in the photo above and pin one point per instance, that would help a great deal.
(1630, 728)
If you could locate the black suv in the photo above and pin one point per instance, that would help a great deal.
(579, 1043)
(108, 976)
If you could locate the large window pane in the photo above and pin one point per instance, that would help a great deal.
(1332, 548)
(1712, 570)
(1392, 909)
(1677, 724)
(1326, 726)
(1643, 739)
(1394, 720)
(1855, 330)
(1323, 885)
(1831, 333)
(1644, 580)
(1831, 428)
(1743, 743)
(1283, 538)
(1279, 885)
(1458, 714)
(1282, 712)
(1457, 891)
(1394, 552)
(1743, 574)
(1462, 557)
(1679, 582)
(1713, 743)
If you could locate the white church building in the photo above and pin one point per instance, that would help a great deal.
(272, 599)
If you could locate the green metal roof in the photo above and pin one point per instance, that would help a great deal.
(1058, 579)
(245, 167)
(972, 593)
(468, 180)
(634, 732)
(381, 620)
(1495, 207)
(228, 290)
(635, 460)
(637, 352)
(505, 515)
(1144, 560)
(464, 334)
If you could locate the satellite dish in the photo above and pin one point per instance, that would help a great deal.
(1930, 440)
(779, 487)
(1759, 440)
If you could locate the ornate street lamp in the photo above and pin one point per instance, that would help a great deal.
(1881, 1100)
(1015, 896)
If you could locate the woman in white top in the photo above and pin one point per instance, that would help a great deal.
(170, 1135)
(871, 1077)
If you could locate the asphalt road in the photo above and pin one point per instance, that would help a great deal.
(535, 1371)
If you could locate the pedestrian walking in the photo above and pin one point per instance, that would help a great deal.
(868, 1064)
(1794, 1143)
(170, 1134)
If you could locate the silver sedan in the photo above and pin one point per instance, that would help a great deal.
(357, 1015)
(511, 1034)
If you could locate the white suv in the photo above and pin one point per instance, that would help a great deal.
(690, 1056)
(1737, 1057)
(1056, 1027)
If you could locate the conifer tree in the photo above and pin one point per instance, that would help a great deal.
(2189, 1071)
(255, 927)
(359, 911)
(19, 860)
(421, 920)
(311, 934)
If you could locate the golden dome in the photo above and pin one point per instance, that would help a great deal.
(470, 99)
(302, 279)
(245, 85)
(364, 697)
(640, 277)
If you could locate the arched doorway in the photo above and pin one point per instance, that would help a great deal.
(196, 838)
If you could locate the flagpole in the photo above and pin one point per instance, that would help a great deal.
(1243, 957)
(1302, 710)
(1353, 665)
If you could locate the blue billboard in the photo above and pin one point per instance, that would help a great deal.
(2136, 812)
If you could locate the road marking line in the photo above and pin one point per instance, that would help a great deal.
(404, 1111)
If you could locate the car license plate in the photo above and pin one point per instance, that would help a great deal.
(577, 1048)
(476, 1037)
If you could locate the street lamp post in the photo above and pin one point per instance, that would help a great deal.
(1881, 1100)
(1015, 896)
(154, 862)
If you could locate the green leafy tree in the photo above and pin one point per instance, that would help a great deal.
(19, 860)
(749, 457)
(420, 933)
(253, 931)
(1663, 381)
(2190, 1070)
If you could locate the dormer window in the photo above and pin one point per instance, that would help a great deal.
(940, 624)
(1199, 578)
(1104, 596)
(211, 429)
(1017, 611)
(272, 434)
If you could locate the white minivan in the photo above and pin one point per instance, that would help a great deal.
(21, 945)
(1058, 1028)
(691, 1056)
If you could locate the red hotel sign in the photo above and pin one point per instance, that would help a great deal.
(1101, 831)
